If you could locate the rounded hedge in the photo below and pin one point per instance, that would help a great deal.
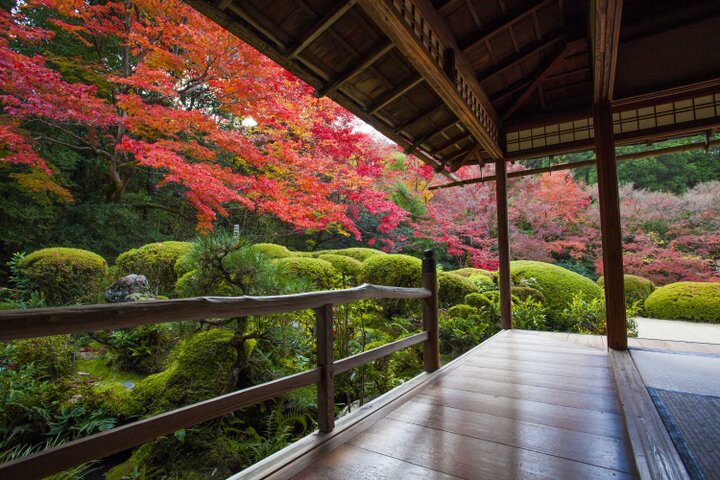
(453, 289)
(471, 272)
(556, 284)
(156, 261)
(462, 310)
(360, 254)
(523, 293)
(51, 356)
(320, 273)
(294, 253)
(698, 301)
(396, 270)
(272, 250)
(637, 289)
(347, 266)
(65, 275)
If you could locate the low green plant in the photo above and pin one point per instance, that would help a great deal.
(637, 289)
(529, 314)
(360, 254)
(156, 261)
(696, 301)
(272, 250)
(64, 276)
(452, 289)
(395, 270)
(319, 273)
(348, 267)
(139, 350)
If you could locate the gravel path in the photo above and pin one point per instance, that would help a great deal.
(678, 330)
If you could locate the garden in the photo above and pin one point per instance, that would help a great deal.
(133, 169)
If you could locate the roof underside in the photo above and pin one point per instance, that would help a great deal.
(461, 82)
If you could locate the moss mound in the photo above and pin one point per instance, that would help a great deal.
(347, 266)
(156, 261)
(320, 273)
(453, 289)
(556, 284)
(482, 300)
(462, 311)
(200, 370)
(301, 254)
(637, 289)
(65, 275)
(471, 272)
(51, 356)
(359, 254)
(523, 293)
(395, 270)
(698, 301)
(272, 250)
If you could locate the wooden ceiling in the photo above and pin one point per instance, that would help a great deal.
(461, 82)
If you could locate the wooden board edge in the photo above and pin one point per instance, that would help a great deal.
(301, 454)
(653, 453)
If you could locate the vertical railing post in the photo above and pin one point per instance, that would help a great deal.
(503, 244)
(431, 350)
(325, 387)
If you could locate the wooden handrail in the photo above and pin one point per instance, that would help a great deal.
(41, 322)
(54, 321)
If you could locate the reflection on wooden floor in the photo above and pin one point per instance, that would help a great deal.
(527, 405)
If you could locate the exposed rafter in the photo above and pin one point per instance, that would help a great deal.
(503, 24)
(605, 38)
(426, 48)
(326, 22)
(527, 51)
(536, 79)
(393, 95)
(355, 70)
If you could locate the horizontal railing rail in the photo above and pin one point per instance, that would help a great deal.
(55, 321)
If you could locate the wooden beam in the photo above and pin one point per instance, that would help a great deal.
(431, 348)
(340, 9)
(536, 79)
(325, 362)
(503, 245)
(502, 24)
(605, 38)
(393, 95)
(355, 70)
(418, 31)
(584, 163)
(654, 453)
(523, 54)
(418, 143)
(610, 227)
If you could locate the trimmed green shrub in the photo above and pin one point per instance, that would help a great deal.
(471, 272)
(156, 261)
(462, 310)
(637, 289)
(8, 306)
(200, 370)
(184, 264)
(347, 266)
(317, 253)
(320, 273)
(556, 284)
(453, 289)
(360, 254)
(64, 275)
(51, 356)
(301, 254)
(395, 270)
(480, 300)
(523, 293)
(140, 350)
(698, 301)
(460, 333)
(482, 282)
(272, 250)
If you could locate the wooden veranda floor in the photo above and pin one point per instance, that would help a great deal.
(521, 405)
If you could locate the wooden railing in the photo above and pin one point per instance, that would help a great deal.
(54, 321)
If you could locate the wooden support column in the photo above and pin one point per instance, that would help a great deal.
(610, 226)
(503, 244)
(325, 387)
(431, 350)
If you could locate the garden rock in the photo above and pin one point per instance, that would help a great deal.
(129, 288)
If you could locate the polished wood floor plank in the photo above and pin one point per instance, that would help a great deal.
(353, 463)
(545, 346)
(539, 380)
(599, 423)
(538, 394)
(582, 447)
(502, 364)
(546, 357)
(471, 458)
